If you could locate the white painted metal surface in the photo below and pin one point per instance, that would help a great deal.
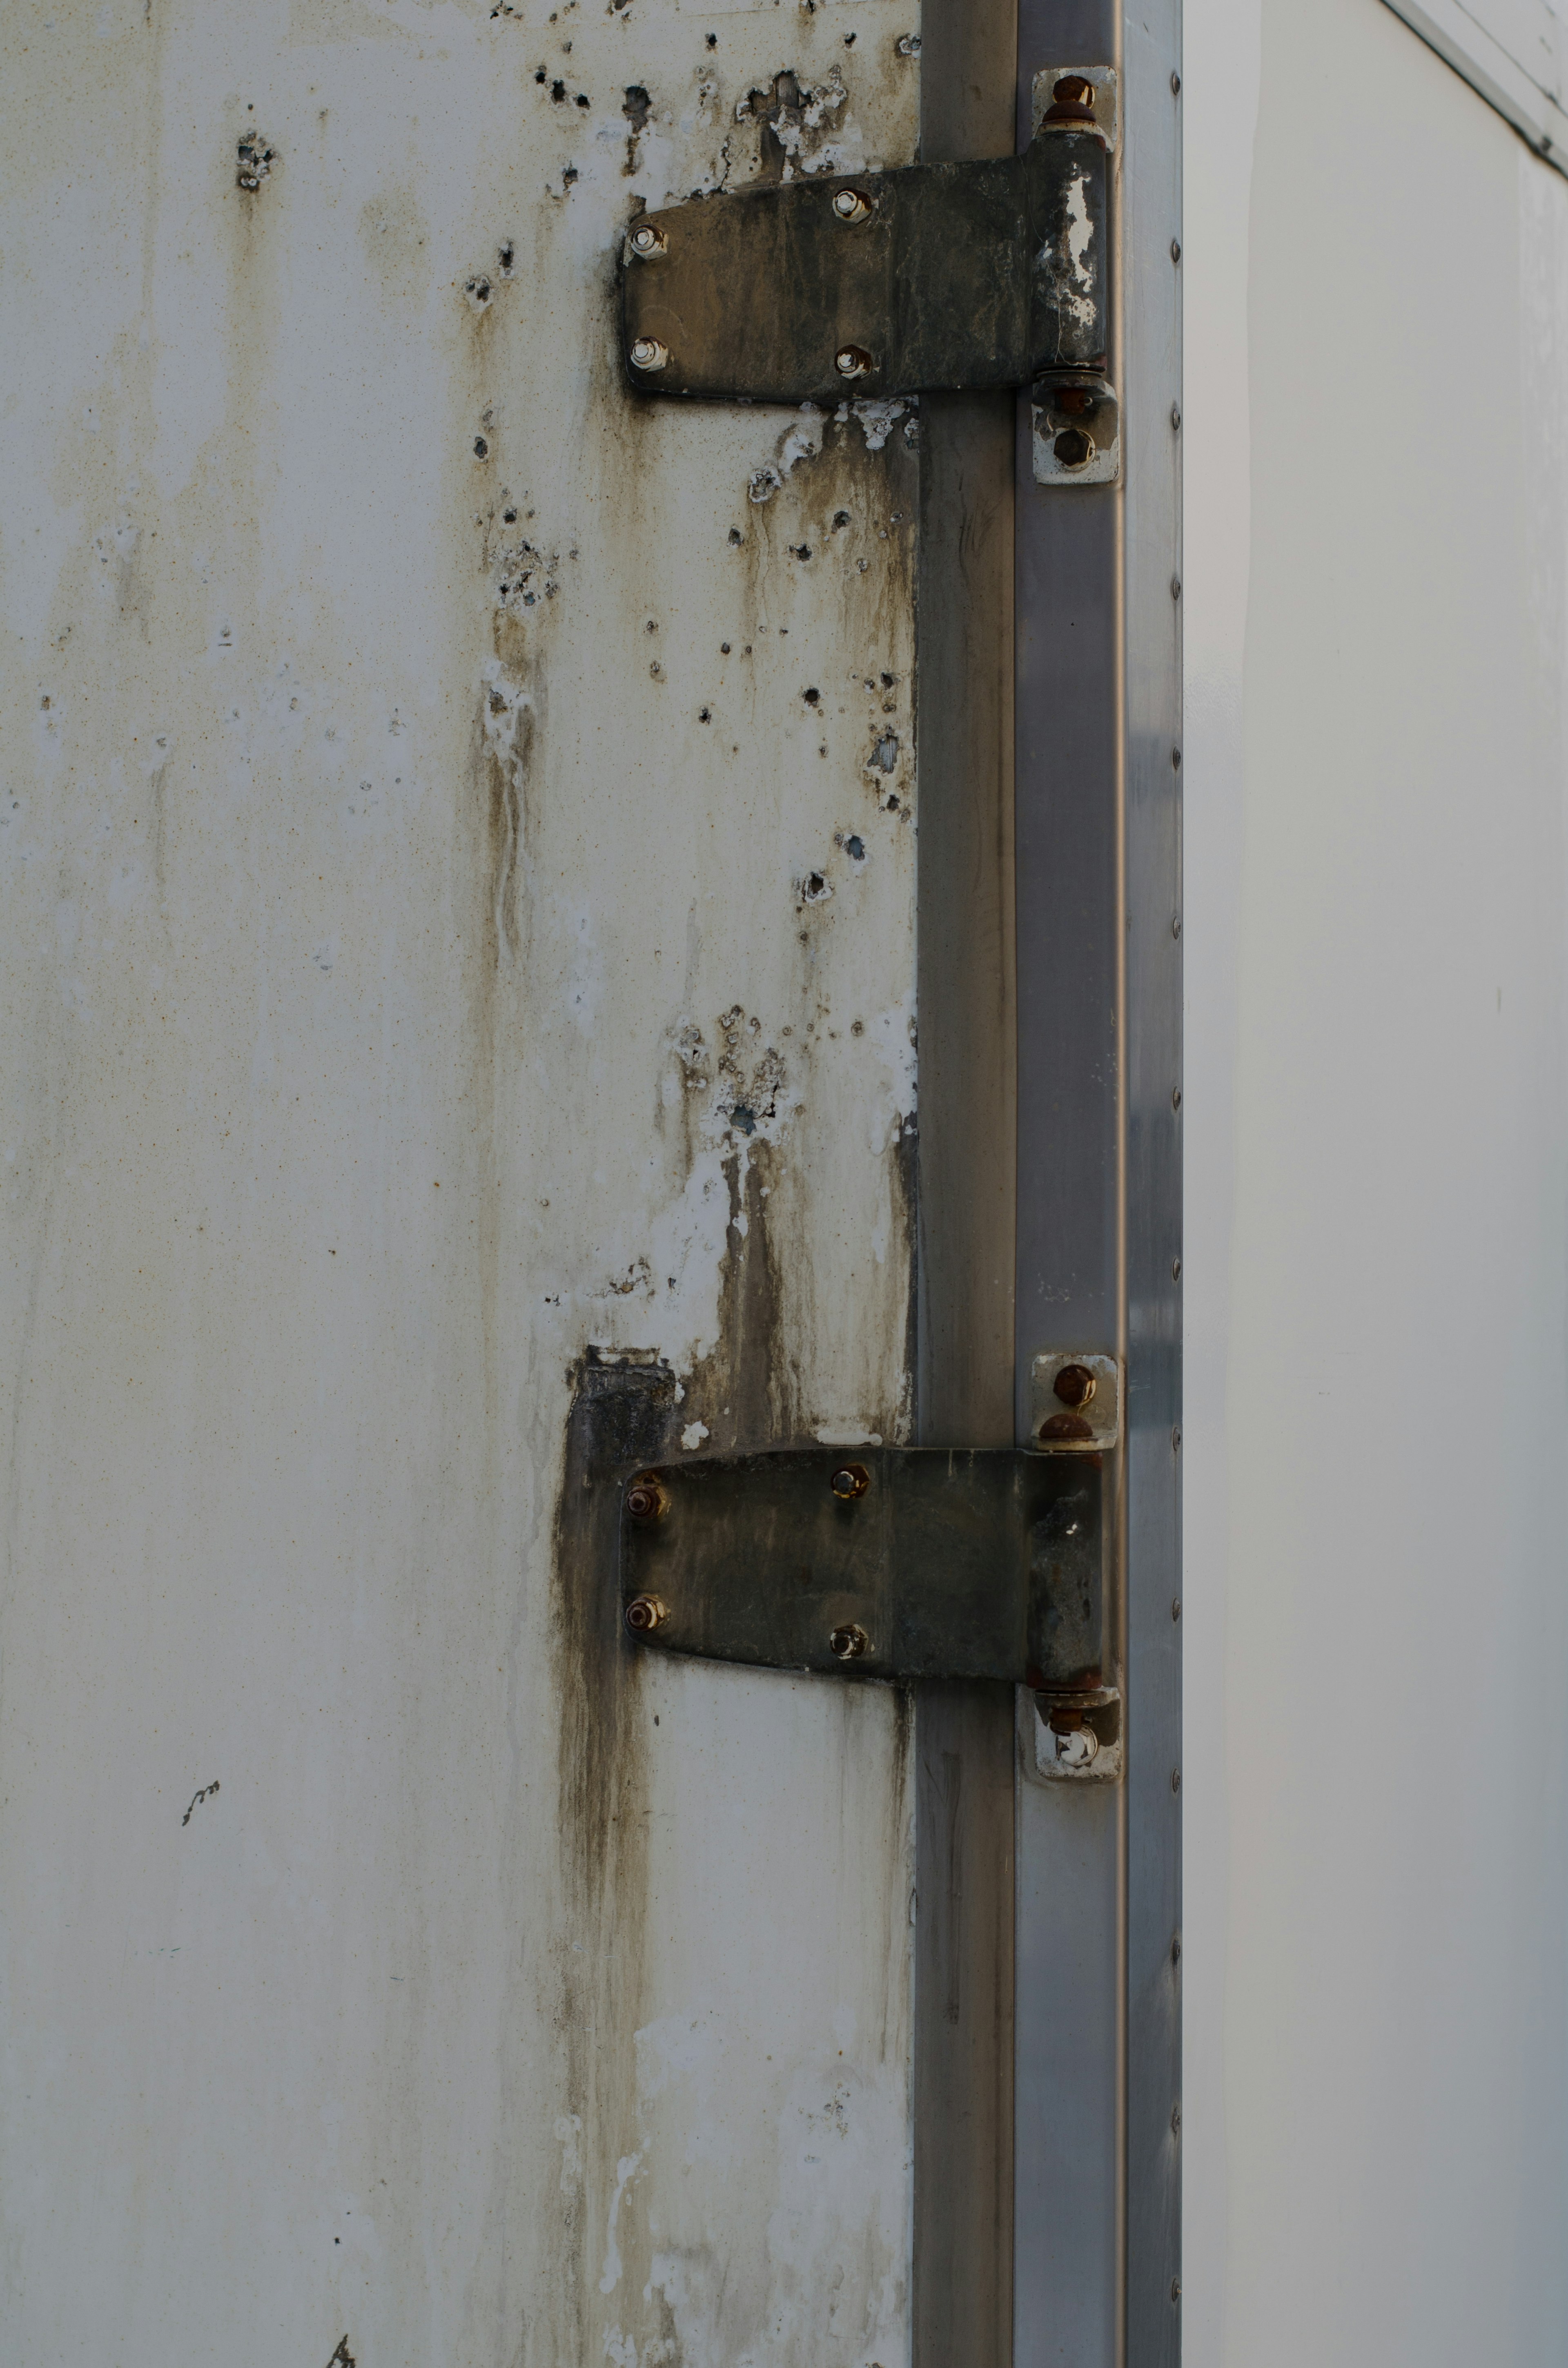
(1377, 1101)
(456, 857)
(1515, 52)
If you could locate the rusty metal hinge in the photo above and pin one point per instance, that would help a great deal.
(993, 274)
(894, 1562)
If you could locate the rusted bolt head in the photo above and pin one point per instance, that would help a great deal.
(852, 361)
(648, 354)
(850, 1642)
(1074, 449)
(1064, 1429)
(648, 239)
(1074, 1385)
(1073, 91)
(850, 1480)
(646, 1498)
(644, 1613)
(851, 205)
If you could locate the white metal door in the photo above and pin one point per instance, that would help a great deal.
(459, 854)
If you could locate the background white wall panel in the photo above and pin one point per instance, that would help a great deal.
(1376, 588)
(1515, 53)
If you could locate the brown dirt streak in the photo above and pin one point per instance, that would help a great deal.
(619, 1415)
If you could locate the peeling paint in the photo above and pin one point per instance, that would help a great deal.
(1065, 267)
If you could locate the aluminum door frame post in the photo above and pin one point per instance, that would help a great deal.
(1098, 838)
(1047, 2111)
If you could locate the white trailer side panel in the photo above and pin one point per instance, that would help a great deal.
(1377, 938)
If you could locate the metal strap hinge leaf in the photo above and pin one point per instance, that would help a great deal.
(993, 274)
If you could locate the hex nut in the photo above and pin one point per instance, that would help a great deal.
(1074, 449)
(644, 1613)
(850, 1480)
(1074, 1385)
(646, 1498)
(648, 239)
(852, 361)
(851, 205)
(649, 354)
(850, 1642)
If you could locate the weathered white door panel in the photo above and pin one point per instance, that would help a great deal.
(457, 864)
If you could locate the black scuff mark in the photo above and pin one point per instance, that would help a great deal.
(255, 159)
(636, 105)
(624, 1411)
(205, 1794)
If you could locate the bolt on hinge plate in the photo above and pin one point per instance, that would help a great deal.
(1075, 1401)
(872, 284)
(882, 1562)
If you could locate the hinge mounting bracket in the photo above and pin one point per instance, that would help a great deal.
(823, 290)
(892, 1562)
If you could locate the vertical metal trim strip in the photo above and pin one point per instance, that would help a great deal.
(1068, 774)
(1097, 837)
(962, 2087)
(1150, 236)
